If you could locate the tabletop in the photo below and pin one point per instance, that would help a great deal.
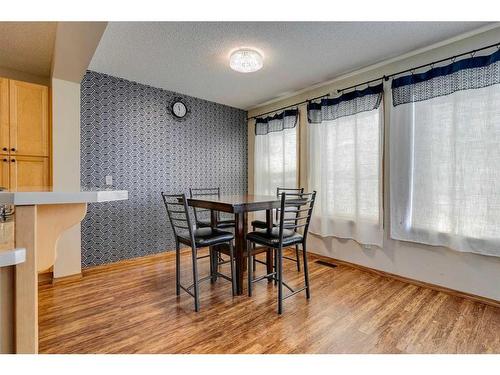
(236, 203)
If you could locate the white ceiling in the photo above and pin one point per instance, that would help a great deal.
(192, 58)
(27, 46)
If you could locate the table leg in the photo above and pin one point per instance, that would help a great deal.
(213, 250)
(241, 248)
(213, 219)
(269, 252)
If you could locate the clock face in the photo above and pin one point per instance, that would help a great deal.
(179, 109)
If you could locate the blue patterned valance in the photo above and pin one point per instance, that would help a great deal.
(348, 104)
(466, 74)
(280, 121)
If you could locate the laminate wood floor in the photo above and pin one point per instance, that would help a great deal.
(131, 307)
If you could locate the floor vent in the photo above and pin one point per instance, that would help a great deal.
(324, 263)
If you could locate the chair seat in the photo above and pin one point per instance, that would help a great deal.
(260, 224)
(272, 239)
(221, 224)
(226, 223)
(205, 237)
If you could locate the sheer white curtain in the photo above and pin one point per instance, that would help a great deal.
(275, 163)
(445, 158)
(345, 155)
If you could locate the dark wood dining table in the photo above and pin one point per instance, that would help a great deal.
(240, 206)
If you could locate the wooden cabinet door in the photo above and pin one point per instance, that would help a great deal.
(4, 116)
(29, 119)
(29, 173)
(4, 171)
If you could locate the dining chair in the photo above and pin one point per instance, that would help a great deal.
(295, 213)
(201, 213)
(260, 224)
(184, 233)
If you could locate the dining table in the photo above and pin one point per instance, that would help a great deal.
(240, 206)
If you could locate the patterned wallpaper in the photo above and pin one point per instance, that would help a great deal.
(128, 133)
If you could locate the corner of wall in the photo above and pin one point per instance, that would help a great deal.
(66, 166)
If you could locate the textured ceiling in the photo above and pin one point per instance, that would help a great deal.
(192, 57)
(27, 46)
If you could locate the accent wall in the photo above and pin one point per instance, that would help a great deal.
(128, 133)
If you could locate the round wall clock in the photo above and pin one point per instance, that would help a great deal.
(179, 109)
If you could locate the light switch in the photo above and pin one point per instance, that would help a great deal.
(109, 180)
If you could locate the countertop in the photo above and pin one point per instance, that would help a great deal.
(12, 257)
(27, 198)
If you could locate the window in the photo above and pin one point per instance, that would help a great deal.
(445, 156)
(345, 165)
(275, 153)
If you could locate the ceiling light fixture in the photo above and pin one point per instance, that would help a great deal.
(246, 60)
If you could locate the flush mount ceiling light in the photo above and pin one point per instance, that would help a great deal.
(246, 60)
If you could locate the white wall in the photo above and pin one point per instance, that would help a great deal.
(75, 45)
(66, 166)
(467, 272)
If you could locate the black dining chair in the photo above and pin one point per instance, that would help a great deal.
(260, 224)
(178, 214)
(200, 214)
(295, 213)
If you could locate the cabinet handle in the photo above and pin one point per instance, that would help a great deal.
(5, 160)
(12, 160)
(4, 149)
(13, 149)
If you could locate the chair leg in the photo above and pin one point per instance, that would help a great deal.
(195, 280)
(217, 256)
(254, 261)
(233, 273)
(279, 255)
(306, 270)
(214, 263)
(249, 271)
(276, 267)
(269, 264)
(297, 257)
(211, 259)
(177, 268)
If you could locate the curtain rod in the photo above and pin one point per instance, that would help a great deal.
(387, 77)
(288, 106)
(384, 77)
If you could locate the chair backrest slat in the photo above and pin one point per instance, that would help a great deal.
(296, 218)
(294, 226)
(179, 219)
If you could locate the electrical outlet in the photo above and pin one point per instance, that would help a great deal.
(367, 247)
(109, 180)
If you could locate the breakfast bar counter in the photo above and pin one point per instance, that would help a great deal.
(40, 219)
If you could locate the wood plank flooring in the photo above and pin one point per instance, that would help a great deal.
(131, 307)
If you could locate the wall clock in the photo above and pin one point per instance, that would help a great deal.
(179, 109)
